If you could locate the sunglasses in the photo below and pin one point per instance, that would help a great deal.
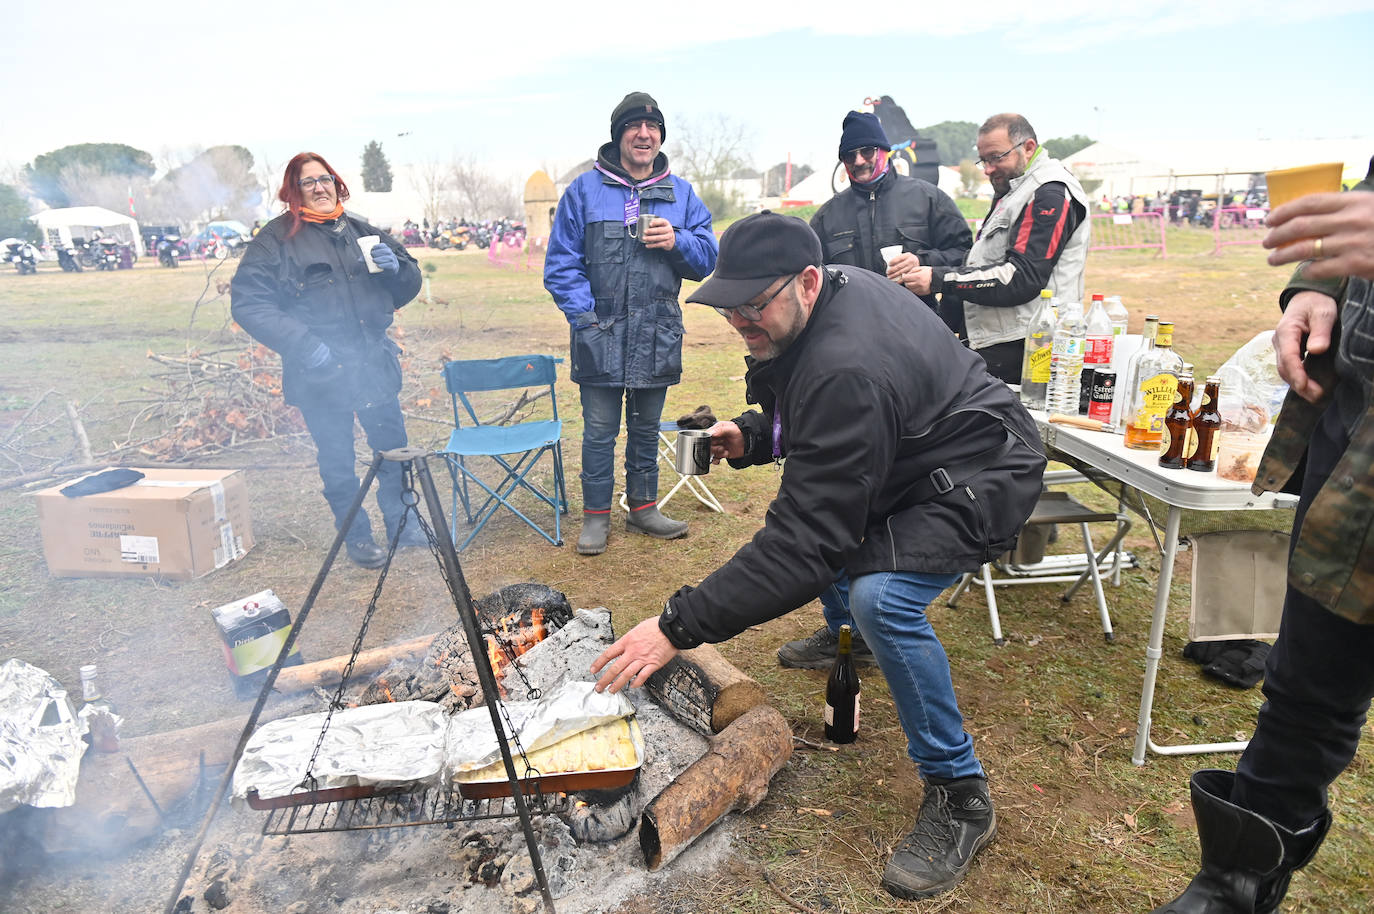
(754, 312)
(309, 183)
(853, 155)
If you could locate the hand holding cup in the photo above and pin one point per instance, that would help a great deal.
(656, 232)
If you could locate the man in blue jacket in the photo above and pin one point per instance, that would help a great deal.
(618, 286)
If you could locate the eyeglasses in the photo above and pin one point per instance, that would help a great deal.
(309, 183)
(633, 126)
(754, 312)
(853, 155)
(993, 160)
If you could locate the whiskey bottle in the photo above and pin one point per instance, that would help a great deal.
(1156, 383)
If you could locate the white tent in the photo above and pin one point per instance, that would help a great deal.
(59, 225)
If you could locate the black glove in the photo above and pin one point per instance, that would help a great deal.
(1237, 663)
(701, 417)
(104, 481)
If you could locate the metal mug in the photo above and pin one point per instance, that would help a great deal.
(642, 226)
(693, 457)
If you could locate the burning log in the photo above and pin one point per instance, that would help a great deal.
(326, 674)
(520, 616)
(705, 691)
(732, 775)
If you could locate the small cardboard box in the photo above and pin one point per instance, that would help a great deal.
(173, 523)
(253, 631)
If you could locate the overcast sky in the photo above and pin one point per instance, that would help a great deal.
(521, 85)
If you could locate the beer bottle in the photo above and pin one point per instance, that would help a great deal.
(1206, 430)
(842, 693)
(1177, 426)
(1156, 383)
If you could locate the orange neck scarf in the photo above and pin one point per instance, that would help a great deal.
(309, 215)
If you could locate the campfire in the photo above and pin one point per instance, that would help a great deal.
(709, 747)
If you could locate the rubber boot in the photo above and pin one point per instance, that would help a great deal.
(1247, 860)
(644, 517)
(595, 526)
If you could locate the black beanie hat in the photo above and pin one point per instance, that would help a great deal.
(633, 107)
(862, 129)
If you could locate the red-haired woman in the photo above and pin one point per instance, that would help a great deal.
(305, 289)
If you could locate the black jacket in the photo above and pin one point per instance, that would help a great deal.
(293, 294)
(874, 397)
(856, 225)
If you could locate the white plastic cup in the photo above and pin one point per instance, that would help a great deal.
(365, 244)
(889, 252)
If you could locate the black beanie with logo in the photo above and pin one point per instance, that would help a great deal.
(636, 106)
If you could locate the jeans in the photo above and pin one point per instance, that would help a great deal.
(1318, 682)
(332, 430)
(601, 425)
(889, 609)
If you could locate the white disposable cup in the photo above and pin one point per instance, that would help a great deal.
(365, 244)
(889, 252)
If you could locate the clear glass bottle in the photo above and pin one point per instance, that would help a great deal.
(1035, 363)
(1126, 380)
(1120, 317)
(842, 693)
(1154, 391)
(1097, 349)
(1066, 360)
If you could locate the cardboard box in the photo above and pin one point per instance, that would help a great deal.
(252, 631)
(173, 523)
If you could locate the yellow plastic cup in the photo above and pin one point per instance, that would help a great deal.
(1289, 184)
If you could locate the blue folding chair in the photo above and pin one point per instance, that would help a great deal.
(514, 449)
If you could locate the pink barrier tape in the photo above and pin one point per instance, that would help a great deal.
(1128, 231)
(1237, 225)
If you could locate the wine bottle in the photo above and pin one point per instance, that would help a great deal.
(842, 693)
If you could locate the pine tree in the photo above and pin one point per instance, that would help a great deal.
(376, 169)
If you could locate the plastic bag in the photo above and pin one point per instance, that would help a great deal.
(1251, 389)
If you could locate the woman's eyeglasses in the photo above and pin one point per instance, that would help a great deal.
(309, 183)
(754, 312)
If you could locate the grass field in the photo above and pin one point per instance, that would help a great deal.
(1052, 712)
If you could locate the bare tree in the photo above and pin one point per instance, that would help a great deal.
(91, 185)
(481, 195)
(969, 176)
(708, 152)
(432, 180)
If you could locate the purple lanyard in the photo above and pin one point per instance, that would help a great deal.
(632, 204)
(777, 433)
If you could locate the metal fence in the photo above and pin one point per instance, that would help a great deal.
(1128, 231)
(1237, 225)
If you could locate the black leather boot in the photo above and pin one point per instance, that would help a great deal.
(1247, 860)
(644, 517)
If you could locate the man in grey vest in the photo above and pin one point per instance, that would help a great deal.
(1034, 237)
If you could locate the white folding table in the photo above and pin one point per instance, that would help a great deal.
(1179, 489)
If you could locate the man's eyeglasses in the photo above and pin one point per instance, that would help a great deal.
(309, 183)
(754, 312)
(633, 126)
(853, 155)
(993, 160)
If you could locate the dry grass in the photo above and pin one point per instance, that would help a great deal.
(1052, 712)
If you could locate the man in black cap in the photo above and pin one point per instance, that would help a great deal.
(618, 286)
(906, 465)
(887, 222)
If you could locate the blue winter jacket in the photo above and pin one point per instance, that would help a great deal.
(620, 298)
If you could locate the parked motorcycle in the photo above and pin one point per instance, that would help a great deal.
(68, 258)
(23, 255)
(107, 254)
(169, 250)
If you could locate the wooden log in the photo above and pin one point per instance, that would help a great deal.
(327, 674)
(732, 775)
(112, 812)
(705, 691)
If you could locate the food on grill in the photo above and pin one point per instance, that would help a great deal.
(610, 746)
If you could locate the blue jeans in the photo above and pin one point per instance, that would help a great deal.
(889, 609)
(601, 425)
(332, 430)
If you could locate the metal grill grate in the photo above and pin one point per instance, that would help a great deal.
(435, 806)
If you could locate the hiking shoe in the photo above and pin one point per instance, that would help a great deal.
(818, 651)
(956, 822)
(365, 553)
